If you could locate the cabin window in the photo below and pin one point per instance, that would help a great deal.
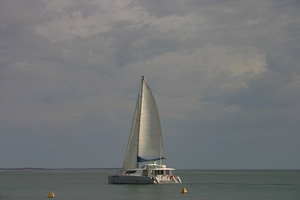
(159, 172)
(130, 172)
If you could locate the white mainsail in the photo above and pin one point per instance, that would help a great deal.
(145, 141)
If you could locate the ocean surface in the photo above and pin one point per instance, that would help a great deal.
(201, 184)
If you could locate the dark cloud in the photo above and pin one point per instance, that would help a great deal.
(176, 7)
(86, 9)
(131, 43)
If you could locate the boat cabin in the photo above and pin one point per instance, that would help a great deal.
(150, 170)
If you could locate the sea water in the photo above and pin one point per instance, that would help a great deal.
(201, 184)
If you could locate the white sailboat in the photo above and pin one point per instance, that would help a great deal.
(145, 145)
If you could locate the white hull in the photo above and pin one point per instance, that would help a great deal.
(148, 174)
(127, 179)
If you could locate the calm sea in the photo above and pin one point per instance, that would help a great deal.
(201, 184)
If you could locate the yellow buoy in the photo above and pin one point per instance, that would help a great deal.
(184, 191)
(51, 195)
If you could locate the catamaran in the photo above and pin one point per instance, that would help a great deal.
(144, 145)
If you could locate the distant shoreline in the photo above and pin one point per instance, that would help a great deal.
(107, 168)
(37, 168)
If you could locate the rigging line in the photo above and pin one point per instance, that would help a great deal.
(124, 146)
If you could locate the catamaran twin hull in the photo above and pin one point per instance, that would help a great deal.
(125, 179)
(148, 174)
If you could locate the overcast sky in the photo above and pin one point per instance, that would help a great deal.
(225, 75)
